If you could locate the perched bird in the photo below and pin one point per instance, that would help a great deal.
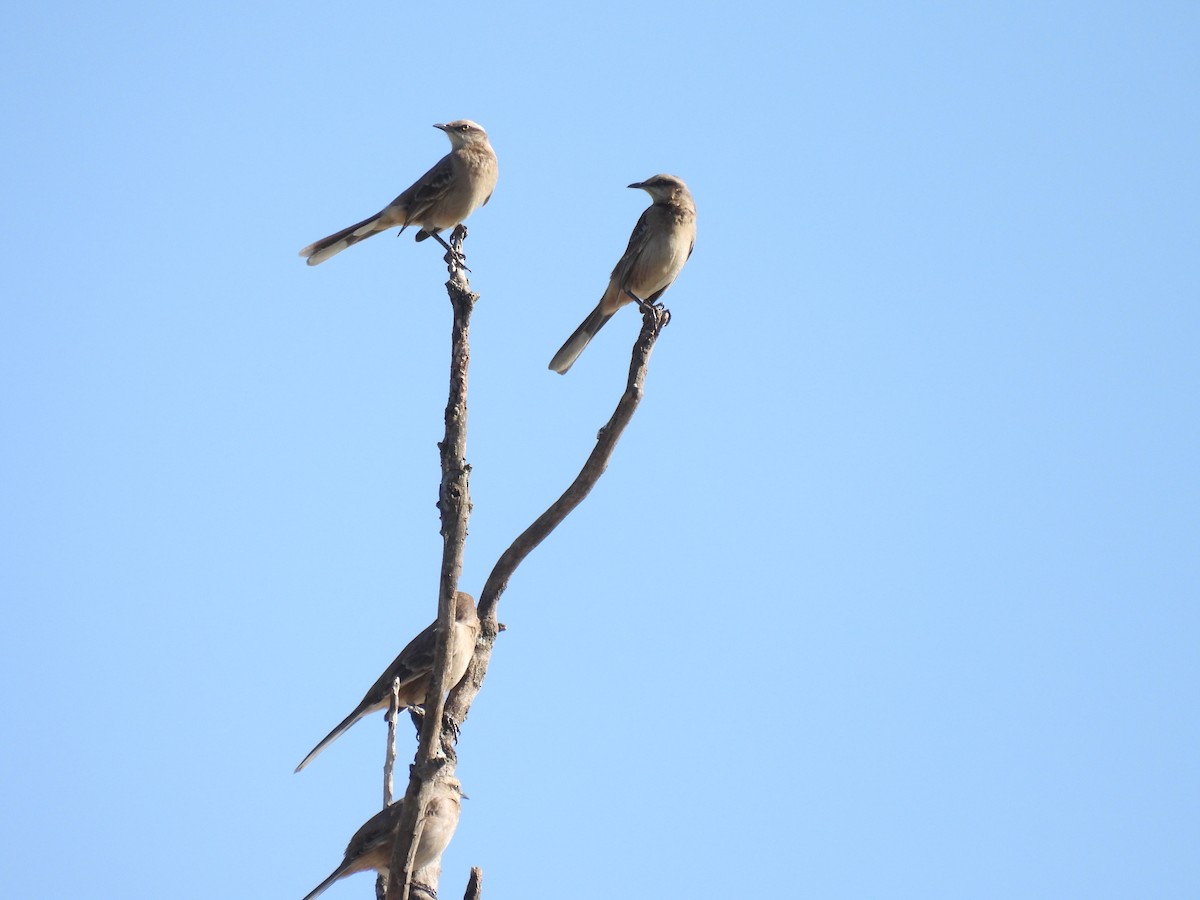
(660, 244)
(461, 182)
(371, 847)
(413, 667)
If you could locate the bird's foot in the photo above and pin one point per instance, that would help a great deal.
(456, 260)
(644, 305)
(658, 311)
(454, 257)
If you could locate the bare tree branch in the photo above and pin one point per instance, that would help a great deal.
(454, 502)
(654, 319)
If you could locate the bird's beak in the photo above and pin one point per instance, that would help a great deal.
(439, 125)
(637, 184)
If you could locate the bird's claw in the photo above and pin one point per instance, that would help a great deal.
(644, 305)
(454, 257)
(457, 260)
(659, 310)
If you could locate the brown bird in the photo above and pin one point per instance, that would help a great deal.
(460, 182)
(413, 667)
(660, 244)
(371, 847)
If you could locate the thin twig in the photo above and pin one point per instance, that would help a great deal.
(474, 884)
(389, 761)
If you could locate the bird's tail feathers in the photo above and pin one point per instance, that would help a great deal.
(319, 251)
(332, 736)
(321, 888)
(569, 352)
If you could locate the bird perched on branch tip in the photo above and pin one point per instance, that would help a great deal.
(660, 244)
(458, 184)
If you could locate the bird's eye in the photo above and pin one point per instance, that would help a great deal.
(464, 127)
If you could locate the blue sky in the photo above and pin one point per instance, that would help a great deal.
(891, 587)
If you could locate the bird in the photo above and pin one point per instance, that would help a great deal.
(372, 845)
(459, 183)
(413, 667)
(660, 244)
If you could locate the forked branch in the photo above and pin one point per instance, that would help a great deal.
(439, 728)
(654, 318)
